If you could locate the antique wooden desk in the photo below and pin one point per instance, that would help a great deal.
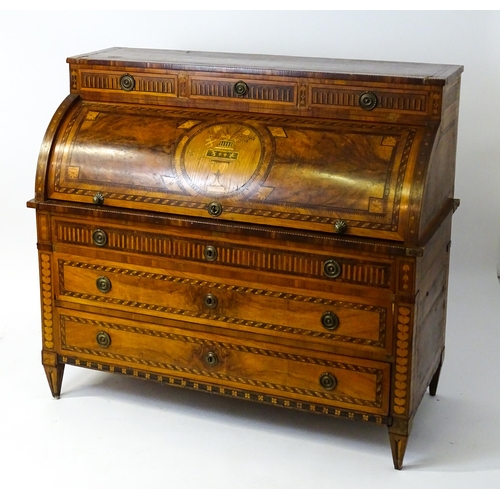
(274, 229)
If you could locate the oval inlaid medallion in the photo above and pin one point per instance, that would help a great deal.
(224, 158)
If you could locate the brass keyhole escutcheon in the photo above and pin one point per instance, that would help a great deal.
(240, 88)
(214, 209)
(211, 359)
(98, 199)
(127, 83)
(328, 381)
(99, 238)
(103, 284)
(210, 301)
(210, 253)
(368, 101)
(330, 320)
(332, 268)
(103, 339)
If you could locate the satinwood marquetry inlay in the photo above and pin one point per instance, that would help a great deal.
(401, 382)
(46, 296)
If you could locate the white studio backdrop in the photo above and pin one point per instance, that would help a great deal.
(33, 82)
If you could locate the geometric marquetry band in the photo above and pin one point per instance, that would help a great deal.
(228, 209)
(381, 311)
(221, 390)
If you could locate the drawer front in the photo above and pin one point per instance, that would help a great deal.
(124, 82)
(292, 95)
(337, 381)
(371, 98)
(328, 267)
(225, 304)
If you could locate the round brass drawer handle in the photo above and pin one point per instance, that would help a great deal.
(210, 253)
(328, 381)
(368, 101)
(211, 359)
(103, 339)
(340, 226)
(214, 209)
(210, 301)
(332, 268)
(99, 238)
(98, 199)
(127, 83)
(103, 284)
(330, 320)
(240, 88)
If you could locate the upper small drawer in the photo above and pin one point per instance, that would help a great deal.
(121, 81)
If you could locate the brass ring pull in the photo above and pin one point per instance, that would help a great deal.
(210, 253)
(330, 320)
(99, 238)
(211, 359)
(240, 88)
(368, 101)
(214, 209)
(103, 339)
(332, 268)
(328, 381)
(103, 284)
(210, 301)
(127, 83)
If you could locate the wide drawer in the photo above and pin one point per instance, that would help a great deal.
(229, 251)
(337, 381)
(228, 304)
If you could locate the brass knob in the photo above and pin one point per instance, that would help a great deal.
(210, 301)
(332, 268)
(214, 209)
(103, 284)
(340, 226)
(210, 253)
(103, 339)
(240, 88)
(127, 83)
(328, 381)
(99, 238)
(368, 101)
(98, 199)
(330, 320)
(211, 359)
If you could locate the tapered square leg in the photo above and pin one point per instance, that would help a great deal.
(435, 378)
(398, 447)
(54, 372)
